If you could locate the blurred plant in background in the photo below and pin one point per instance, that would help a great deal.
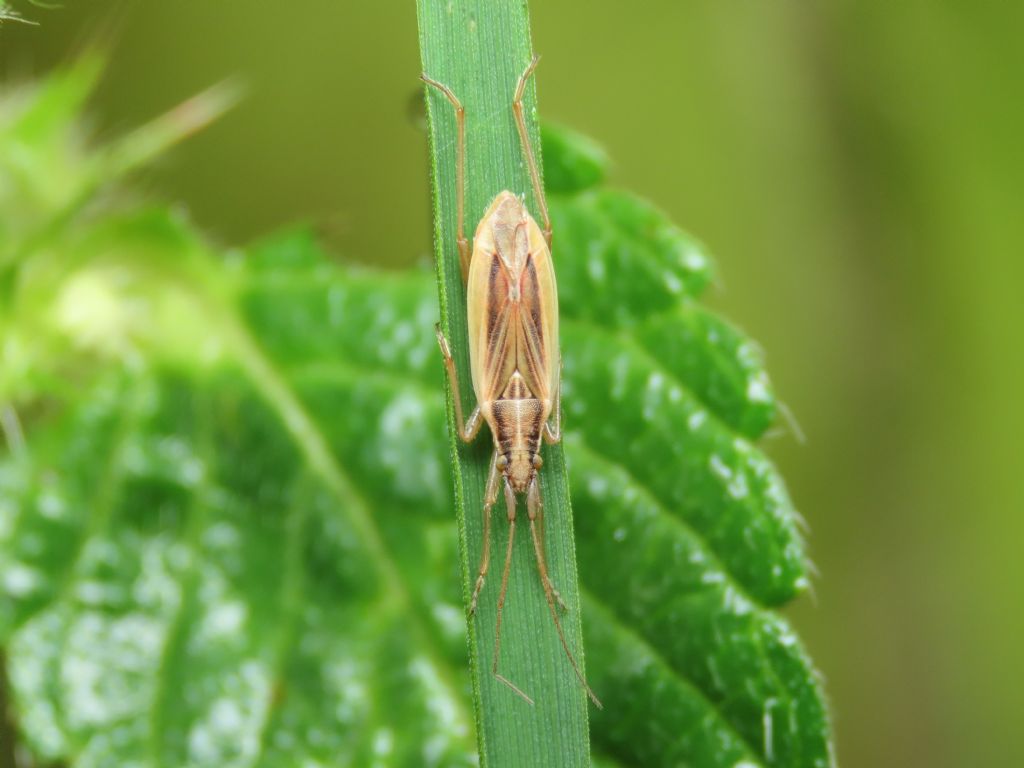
(7, 13)
(225, 533)
(68, 285)
(171, 495)
(857, 168)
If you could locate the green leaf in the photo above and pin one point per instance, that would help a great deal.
(195, 572)
(662, 399)
(228, 540)
(572, 161)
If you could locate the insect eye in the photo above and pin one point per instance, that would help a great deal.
(538, 462)
(502, 463)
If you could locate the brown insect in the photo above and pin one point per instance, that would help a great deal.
(512, 312)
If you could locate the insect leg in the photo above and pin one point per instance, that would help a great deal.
(554, 434)
(534, 509)
(460, 170)
(524, 138)
(490, 496)
(539, 512)
(467, 429)
(510, 505)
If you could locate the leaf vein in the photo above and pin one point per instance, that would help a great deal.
(313, 445)
(679, 676)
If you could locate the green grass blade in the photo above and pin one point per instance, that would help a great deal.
(479, 48)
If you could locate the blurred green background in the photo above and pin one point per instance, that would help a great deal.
(857, 167)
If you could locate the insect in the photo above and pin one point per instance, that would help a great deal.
(512, 313)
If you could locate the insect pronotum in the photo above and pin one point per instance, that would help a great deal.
(512, 313)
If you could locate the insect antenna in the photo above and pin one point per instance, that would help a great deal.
(510, 501)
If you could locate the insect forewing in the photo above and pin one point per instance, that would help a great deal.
(512, 303)
(537, 352)
(489, 312)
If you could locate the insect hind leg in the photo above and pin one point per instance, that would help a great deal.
(490, 496)
(536, 513)
(534, 508)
